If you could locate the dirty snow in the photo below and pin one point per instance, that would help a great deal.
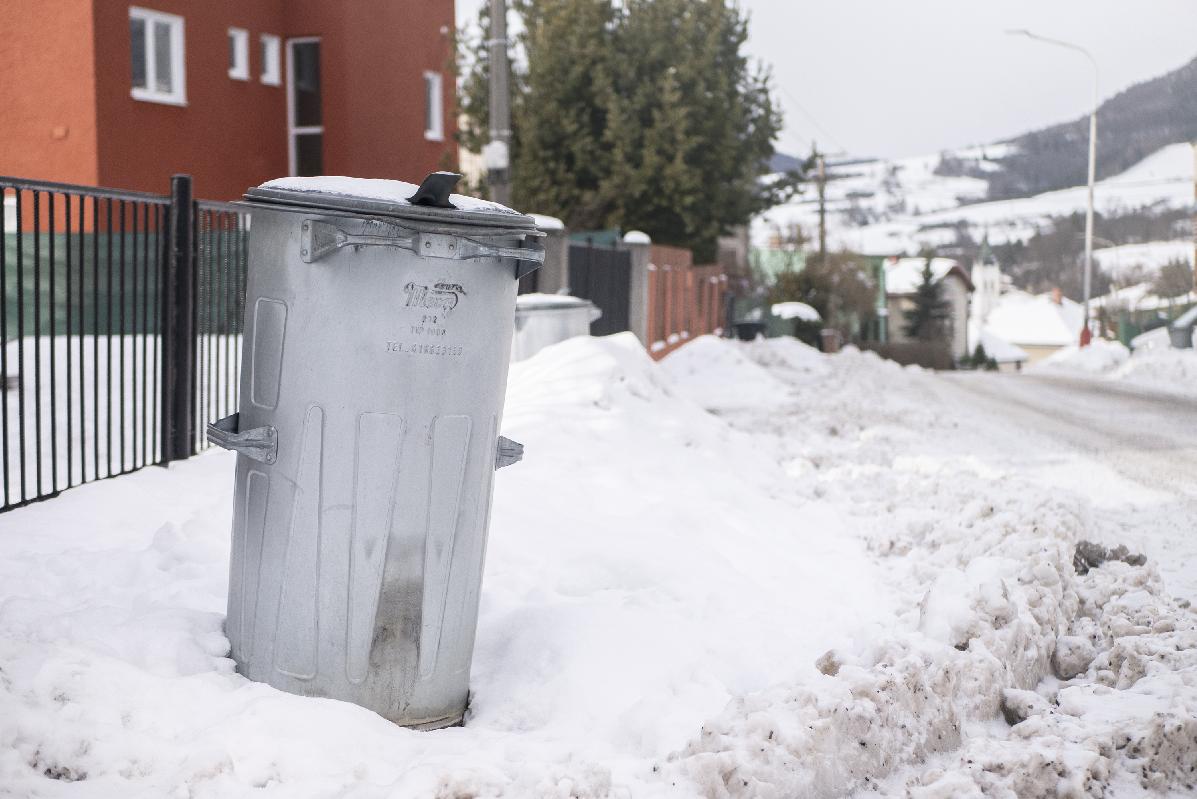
(749, 570)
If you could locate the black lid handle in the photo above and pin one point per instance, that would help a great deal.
(435, 190)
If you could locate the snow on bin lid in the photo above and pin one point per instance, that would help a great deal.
(386, 197)
(795, 310)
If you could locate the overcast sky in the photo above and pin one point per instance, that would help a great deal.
(905, 77)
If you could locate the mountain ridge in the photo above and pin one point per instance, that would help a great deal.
(1131, 125)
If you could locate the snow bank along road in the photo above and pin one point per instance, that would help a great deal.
(1132, 451)
(750, 571)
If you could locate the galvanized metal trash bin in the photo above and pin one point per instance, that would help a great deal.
(545, 319)
(377, 338)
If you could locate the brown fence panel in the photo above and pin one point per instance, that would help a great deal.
(684, 300)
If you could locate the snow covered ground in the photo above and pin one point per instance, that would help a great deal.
(1172, 371)
(749, 570)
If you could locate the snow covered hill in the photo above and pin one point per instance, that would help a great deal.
(901, 206)
(1123, 262)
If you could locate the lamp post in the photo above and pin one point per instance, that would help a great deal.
(1088, 280)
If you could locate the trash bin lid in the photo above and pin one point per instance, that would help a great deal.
(1186, 320)
(549, 302)
(392, 198)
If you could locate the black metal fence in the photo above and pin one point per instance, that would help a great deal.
(221, 256)
(120, 323)
(603, 275)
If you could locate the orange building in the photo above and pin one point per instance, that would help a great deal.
(234, 92)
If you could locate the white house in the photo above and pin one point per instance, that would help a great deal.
(903, 276)
(1039, 324)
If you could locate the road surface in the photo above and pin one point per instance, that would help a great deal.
(1133, 451)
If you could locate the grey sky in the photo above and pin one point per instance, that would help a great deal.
(903, 77)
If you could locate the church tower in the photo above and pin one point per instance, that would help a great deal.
(987, 289)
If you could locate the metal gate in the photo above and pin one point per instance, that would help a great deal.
(603, 276)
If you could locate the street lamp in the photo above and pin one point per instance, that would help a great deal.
(1092, 169)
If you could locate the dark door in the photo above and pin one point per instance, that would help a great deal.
(603, 276)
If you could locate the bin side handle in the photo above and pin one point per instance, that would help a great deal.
(508, 452)
(259, 444)
(319, 239)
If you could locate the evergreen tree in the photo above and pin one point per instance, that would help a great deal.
(635, 114)
(559, 158)
(926, 320)
(695, 125)
(980, 357)
(980, 360)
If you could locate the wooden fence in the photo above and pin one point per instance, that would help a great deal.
(684, 300)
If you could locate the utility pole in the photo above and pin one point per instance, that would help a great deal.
(822, 182)
(1195, 216)
(497, 153)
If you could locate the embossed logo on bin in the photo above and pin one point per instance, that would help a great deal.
(441, 297)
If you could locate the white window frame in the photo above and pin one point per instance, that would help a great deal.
(271, 47)
(434, 126)
(178, 92)
(293, 130)
(239, 38)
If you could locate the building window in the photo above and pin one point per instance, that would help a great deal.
(434, 113)
(272, 73)
(305, 114)
(156, 50)
(238, 54)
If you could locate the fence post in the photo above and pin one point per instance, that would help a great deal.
(178, 326)
(640, 291)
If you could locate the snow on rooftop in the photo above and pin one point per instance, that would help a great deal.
(1035, 320)
(905, 275)
(1001, 350)
(391, 191)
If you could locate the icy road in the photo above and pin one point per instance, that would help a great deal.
(1132, 451)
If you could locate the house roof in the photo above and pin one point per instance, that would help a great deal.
(1001, 350)
(1035, 320)
(905, 275)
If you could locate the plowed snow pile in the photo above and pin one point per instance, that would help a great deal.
(1173, 371)
(1164, 369)
(750, 570)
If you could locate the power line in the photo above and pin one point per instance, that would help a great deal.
(811, 118)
